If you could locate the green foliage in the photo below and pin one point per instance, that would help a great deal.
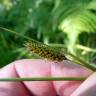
(67, 22)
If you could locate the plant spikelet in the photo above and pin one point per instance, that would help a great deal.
(45, 51)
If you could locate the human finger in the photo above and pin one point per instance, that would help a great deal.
(11, 88)
(87, 88)
(36, 68)
(68, 69)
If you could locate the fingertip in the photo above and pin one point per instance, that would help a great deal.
(7, 88)
(36, 68)
(31, 67)
(68, 69)
(8, 71)
(87, 88)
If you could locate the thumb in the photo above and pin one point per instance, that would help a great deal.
(88, 87)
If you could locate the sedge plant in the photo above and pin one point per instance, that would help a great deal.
(50, 53)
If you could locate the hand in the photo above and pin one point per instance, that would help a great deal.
(41, 68)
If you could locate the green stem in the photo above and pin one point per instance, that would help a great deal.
(16, 33)
(84, 48)
(83, 63)
(44, 79)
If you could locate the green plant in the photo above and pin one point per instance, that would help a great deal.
(67, 22)
(51, 53)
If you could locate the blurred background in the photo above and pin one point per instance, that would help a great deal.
(70, 24)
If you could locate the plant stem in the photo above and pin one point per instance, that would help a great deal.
(16, 33)
(83, 63)
(44, 79)
(86, 48)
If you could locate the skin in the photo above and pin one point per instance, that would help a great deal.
(43, 68)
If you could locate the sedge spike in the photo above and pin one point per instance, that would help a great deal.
(39, 48)
(45, 51)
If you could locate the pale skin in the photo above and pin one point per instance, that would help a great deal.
(43, 68)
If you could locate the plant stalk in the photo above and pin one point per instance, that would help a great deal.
(43, 79)
(83, 63)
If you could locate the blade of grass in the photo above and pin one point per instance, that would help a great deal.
(44, 79)
(20, 35)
